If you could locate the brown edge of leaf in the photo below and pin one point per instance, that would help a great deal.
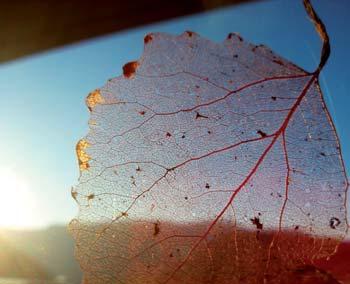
(83, 157)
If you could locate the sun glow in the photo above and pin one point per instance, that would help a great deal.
(16, 201)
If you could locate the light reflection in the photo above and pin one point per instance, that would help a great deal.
(17, 204)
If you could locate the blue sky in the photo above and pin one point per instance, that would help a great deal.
(43, 113)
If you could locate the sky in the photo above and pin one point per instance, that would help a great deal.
(43, 112)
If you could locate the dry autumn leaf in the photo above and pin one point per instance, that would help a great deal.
(209, 163)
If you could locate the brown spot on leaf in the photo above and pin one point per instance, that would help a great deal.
(83, 157)
(90, 196)
(168, 134)
(257, 223)
(334, 222)
(93, 99)
(148, 38)
(207, 186)
(189, 33)
(198, 115)
(261, 133)
(74, 194)
(129, 69)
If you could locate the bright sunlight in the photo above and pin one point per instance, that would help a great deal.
(16, 203)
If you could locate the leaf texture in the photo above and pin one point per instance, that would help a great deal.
(208, 163)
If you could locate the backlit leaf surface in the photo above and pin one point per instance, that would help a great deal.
(208, 163)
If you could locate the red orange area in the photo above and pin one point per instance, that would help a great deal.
(338, 264)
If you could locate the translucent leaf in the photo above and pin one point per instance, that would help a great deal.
(208, 163)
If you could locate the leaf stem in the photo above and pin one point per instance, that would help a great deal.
(321, 29)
